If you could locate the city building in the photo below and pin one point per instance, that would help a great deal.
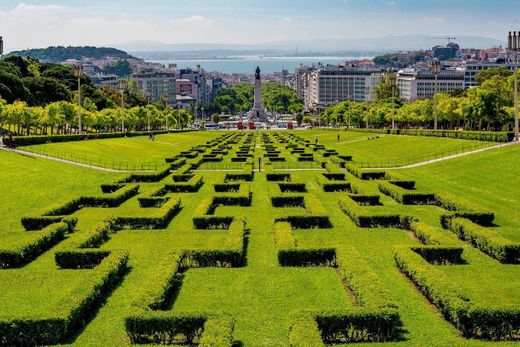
(417, 84)
(448, 52)
(159, 86)
(328, 85)
(472, 68)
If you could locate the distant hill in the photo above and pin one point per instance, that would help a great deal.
(59, 54)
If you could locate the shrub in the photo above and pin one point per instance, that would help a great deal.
(440, 255)
(26, 252)
(292, 187)
(110, 188)
(218, 332)
(227, 188)
(148, 177)
(428, 235)
(278, 177)
(78, 308)
(406, 197)
(359, 326)
(365, 175)
(80, 259)
(304, 331)
(365, 218)
(159, 219)
(191, 186)
(152, 202)
(306, 222)
(288, 201)
(366, 200)
(331, 186)
(492, 244)
(307, 257)
(463, 209)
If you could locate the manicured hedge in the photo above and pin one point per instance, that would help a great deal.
(457, 134)
(487, 241)
(80, 259)
(110, 188)
(440, 255)
(104, 201)
(365, 218)
(499, 322)
(191, 186)
(148, 177)
(307, 257)
(76, 310)
(331, 186)
(158, 220)
(278, 177)
(292, 187)
(306, 222)
(227, 188)
(288, 201)
(365, 175)
(463, 209)
(28, 251)
(366, 200)
(428, 235)
(218, 332)
(406, 197)
(148, 202)
(304, 331)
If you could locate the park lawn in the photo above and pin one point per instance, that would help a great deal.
(490, 179)
(132, 150)
(391, 150)
(261, 295)
(29, 184)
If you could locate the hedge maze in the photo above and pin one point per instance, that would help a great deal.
(285, 253)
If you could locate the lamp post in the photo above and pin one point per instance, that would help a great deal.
(148, 95)
(1, 46)
(122, 88)
(514, 46)
(436, 70)
(78, 73)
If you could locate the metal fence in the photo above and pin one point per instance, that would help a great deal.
(223, 166)
(296, 165)
(84, 159)
(400, 162)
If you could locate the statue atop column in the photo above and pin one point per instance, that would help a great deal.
(258, 112)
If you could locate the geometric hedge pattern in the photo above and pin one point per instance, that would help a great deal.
(307, 211)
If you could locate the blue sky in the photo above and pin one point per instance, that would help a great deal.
(37, 23)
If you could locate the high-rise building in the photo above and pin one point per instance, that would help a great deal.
(160, 86)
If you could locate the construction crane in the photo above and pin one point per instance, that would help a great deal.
(450, 39)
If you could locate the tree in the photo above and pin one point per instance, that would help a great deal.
(485, 75)
(299, 118)
(120, 68)
(44, 90)
(387, 87)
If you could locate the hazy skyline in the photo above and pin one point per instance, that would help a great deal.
(41, 23)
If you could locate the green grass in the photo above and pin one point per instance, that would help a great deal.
(391, 150)
(261, 295)
(125, 150)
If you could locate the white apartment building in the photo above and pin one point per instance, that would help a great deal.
(328, 85)
(416, 84)
(161, 86)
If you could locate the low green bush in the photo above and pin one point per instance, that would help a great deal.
(428, 235)
(306, 222)
(158, 220)
(26, 252)
(359, 326)
(488, 136)
(148, 177)
(440, 255)
(227, 188)
(292, 187)
(366, 200)
(288, 201)
(406, 197)
(365, 175)
(80, 259)
(487, 241)
(297, 257)
(463, 209)
(37, 330)
(218, 332)
(191, 186)
(365, 218)
(331, 186)
(278, 177)
(304, 331)
(148, 202)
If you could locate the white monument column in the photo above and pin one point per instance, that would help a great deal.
(258, 112)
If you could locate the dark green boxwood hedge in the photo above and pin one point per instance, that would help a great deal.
(80, 258)
(307, 257)
(440, 255)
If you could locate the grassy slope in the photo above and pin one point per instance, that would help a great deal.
(261, 294)
(132, 149)
(389, 147)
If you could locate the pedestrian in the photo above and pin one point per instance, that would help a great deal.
(10, 141)
(338, 137)
(316, 139)
(150, 137)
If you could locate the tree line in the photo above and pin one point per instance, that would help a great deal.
(489, 106)
(42, 98)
